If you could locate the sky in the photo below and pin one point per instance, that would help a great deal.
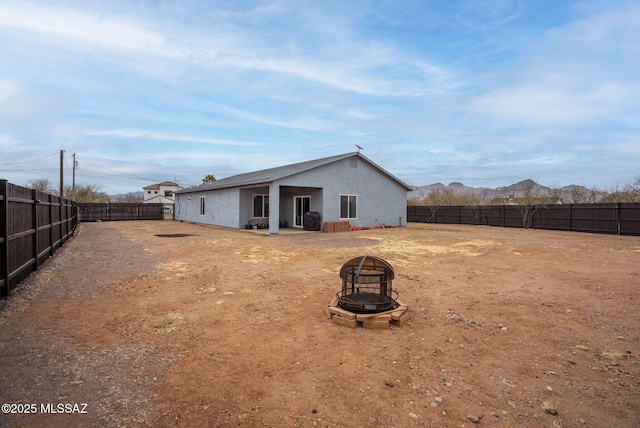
(483, 92)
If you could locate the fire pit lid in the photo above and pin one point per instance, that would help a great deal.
(366, 270)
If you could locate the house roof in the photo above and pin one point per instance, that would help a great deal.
(271, 174)
(159, 199)
(157, 185)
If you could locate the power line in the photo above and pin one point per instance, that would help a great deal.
(93, 179)
(119, 175)
(31, 161)
(29, 169)
(115, 171)
(108, 174)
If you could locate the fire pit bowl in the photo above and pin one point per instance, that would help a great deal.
(366, 286)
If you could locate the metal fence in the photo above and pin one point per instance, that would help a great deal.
(617, 219)
(33, 225)
(120, 211)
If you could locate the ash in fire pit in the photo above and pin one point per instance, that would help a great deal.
(367, 295)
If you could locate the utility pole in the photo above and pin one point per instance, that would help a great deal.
(73, 180)
(61, 173)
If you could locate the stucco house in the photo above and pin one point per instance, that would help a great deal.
(161, 193)
(346, 187)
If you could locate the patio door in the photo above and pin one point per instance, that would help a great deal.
(301, 205)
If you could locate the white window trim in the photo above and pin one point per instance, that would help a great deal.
(348, 207)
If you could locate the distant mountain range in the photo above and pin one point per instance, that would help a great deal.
(513, 191)
(139, 194)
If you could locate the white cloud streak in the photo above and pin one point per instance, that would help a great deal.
(83, 27)
(139, 134)
(239, 50)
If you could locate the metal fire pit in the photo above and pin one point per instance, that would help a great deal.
(366, 286)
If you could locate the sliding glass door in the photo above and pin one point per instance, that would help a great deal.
(301, 205)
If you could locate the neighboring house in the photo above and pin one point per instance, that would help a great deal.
(510, 200)
(347, 187)
(161, 193)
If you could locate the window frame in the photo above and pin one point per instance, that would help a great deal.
(202, 205)
(350, 198)
(264, 202)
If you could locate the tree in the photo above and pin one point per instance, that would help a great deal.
(628, 193)
(41, 185)
(209, 178)
(581, 195)
(131, 198)
(532, 197)
(88, 193)
(557, 195)
(633, 190)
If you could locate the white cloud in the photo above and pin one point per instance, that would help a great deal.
(344, 62)
(484, 14)
(8, 90)
(83, 27)
(308, 123)
(154, 135)
(172, 83)
(8, 142)
(532, 104)
(615, 29)
(18, 103)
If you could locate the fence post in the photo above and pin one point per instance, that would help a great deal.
(63, 221)
(4, 238)
(74, 212)
(60, 219)
(34, 226)
(617, 208)
(66, 219)
(532, 215)
(50, 225)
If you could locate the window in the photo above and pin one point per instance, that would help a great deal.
(149, 191)
(261, 205)
(348, 206)
(168, 193)
(201, 205)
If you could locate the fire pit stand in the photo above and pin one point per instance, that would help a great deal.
(367, 296)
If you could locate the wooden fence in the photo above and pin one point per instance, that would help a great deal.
(120, 211)
(33, 225)
(618, 219)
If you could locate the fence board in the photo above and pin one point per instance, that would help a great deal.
(621, 219)
(629, 219)
(120, 211)
(29, 231)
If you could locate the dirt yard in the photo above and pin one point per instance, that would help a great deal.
(216, 327)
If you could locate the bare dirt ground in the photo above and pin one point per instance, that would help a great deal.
(508, 328)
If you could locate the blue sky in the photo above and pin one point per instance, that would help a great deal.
(485, 92)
